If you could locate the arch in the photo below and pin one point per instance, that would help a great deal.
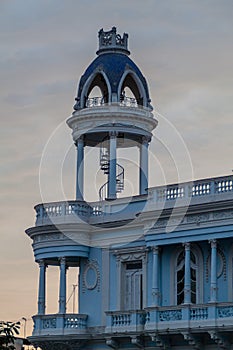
(100, 79)
(131, 80)
(177, 269)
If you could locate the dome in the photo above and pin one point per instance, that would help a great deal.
(112, 71)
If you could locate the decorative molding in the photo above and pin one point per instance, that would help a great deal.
(48, 237)
(226, 214)
(190, 219)
(192, 340)
(170, 315)
(93, 267)
(112, 343)
(124, 255)
(197, 218)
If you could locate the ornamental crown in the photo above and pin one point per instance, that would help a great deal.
(111, 41)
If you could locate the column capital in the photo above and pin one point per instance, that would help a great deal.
(187, 245)
(62, 261)
(42, 263)
(113, 134)
(155, 249)
(213, 243)
(79, 140)
(145, 139)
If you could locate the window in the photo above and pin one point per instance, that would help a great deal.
(196, 275)
(132, 280)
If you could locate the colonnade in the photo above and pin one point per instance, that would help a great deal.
(112, 181)
(187, 274)
(42, 287)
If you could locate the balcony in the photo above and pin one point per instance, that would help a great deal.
(179, 195)
(59, 324)
(175, 318)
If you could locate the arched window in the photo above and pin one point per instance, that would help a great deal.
(196, 274)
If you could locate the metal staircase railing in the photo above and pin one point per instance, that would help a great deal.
(104, 165)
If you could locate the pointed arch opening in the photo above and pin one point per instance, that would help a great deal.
(96, 91)
(131, 90)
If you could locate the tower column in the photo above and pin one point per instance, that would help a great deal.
(41, 291)
(213, 273)
(187, 275)
(112, 166)
(155, 276)
(62, 290)
(143, 166)
(80, 168)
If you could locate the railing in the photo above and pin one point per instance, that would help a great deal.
(199, 188)
(123, 321)
(59, 324)
(172, 317)
(187, 316)
(100, 101)
(203, 190)
(54, 210)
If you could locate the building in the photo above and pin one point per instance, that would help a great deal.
(155, 270)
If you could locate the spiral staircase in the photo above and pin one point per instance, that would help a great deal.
(104, 166)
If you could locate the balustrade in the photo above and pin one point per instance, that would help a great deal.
(200, 313)
(169, 194)
(121, 320)
(59, 324)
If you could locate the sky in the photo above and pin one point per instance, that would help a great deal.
(184, 49)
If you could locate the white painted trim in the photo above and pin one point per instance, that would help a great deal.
(138, 83)
(88, 83)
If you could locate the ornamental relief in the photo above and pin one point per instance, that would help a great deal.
(223, 214)
(91, 276)
(48, 237)
(190, 219)
(122, 256)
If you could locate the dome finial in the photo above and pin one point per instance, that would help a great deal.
(111, 41)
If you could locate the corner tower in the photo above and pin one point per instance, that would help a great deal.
(113, 119)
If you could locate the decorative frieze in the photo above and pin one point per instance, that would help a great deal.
(224, 311)
(190, 219)
(49, 322)
(170, 315)
(48, 237)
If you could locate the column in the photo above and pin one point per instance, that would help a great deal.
(41, 291)
(62, 290)
(187, 275)
(213, 272)
(155, 276)
(112, 166)
(143, 178)
(80, 169)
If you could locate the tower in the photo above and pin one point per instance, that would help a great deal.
(155, 270)
(112, 120)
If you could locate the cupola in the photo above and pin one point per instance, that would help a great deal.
(120, 116)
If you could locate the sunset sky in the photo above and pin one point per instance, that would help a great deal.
(184, 49)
